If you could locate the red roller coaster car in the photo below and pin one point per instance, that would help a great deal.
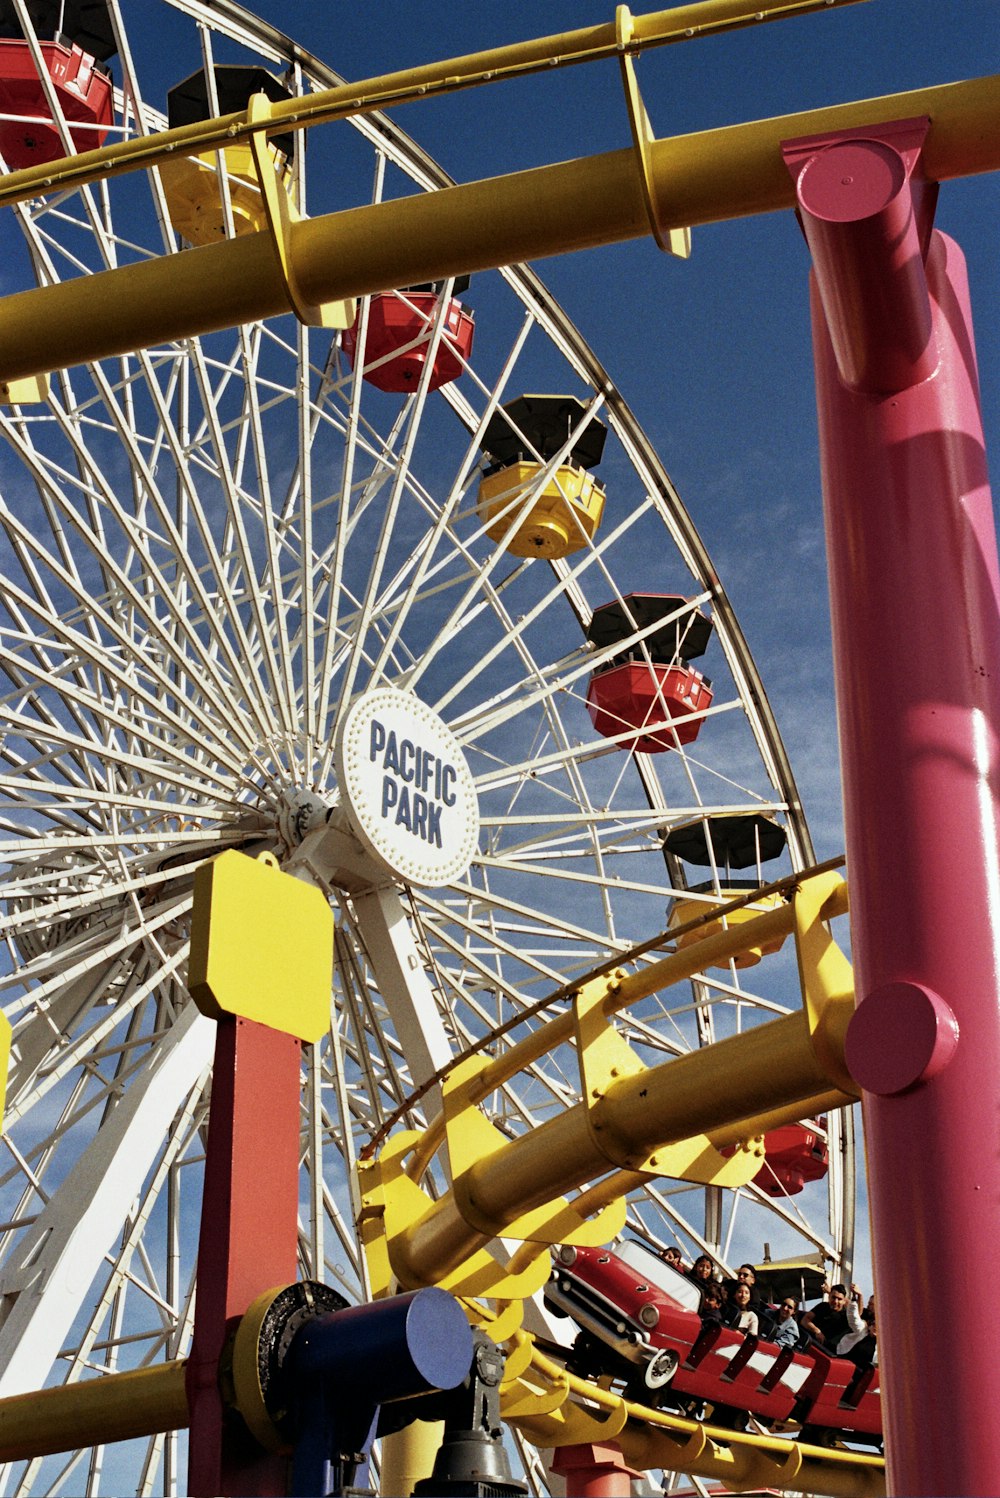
(639, 1321)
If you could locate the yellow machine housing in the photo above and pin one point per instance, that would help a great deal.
(683, 911)
(191, 185)
(564, 514)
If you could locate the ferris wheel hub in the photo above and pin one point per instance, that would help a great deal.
(301, 812)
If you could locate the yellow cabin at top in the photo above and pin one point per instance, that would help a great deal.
(562, 516)
(683, 911)
(191, 183)
(532, 508)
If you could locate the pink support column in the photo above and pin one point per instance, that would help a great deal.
(593, 1471)
(916, 627)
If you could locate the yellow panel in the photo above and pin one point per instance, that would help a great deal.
(826, 976)
(581, 1427)
(473, 1139)
(606, 1060)
(261, 946)
(392, 1206)
(524, 1398)
(26, 392)
(520, 1349)
(676, 240)
(501, 1326)
(5, 1033)
(281, 215)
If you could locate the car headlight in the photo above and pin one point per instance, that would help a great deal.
(648, 1314)
(566, 1254)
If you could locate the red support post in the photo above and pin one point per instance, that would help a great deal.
(593, 1471)
(248, 1242)
(916, 628)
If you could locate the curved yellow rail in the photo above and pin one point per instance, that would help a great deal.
(636, 1123)
(651, 1438)
(698, 1117)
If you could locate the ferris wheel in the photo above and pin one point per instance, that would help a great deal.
(213, 549)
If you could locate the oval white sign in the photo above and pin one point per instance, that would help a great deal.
(406, 787)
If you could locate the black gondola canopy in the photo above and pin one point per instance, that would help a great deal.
(737, 841)
(187, 102)
(537, 426)
(85, 22)
(460, 284)
(683, 638)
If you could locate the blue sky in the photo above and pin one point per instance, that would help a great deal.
(713, 354)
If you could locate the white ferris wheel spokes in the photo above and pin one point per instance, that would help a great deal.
(211, 550)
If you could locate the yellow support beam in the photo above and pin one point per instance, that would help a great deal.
(93, 1412)
(516, 60)
(741, 1462)
(728, 1092)
(713, 175)
(643, 983)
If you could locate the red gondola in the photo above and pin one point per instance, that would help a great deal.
(656, 700)
(651, 686)
(400, 325)
(796, 1154)
(82, 86)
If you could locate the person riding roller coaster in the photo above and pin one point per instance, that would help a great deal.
(828, 1322)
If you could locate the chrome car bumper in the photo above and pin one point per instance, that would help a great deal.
(599, 1316)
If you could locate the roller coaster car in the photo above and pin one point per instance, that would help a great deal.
(639, 1321)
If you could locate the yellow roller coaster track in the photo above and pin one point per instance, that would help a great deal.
(672, 1120)
(570, 1409)
(316, 266)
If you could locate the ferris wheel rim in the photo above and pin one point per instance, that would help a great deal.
(526, 284)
